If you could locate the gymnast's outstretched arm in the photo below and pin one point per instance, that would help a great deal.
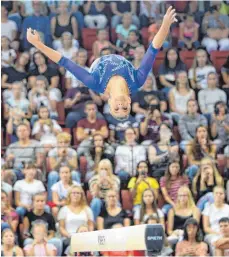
(148, 59)
(80, 73)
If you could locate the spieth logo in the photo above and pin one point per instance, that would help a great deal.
(154, 238)
(101, 240)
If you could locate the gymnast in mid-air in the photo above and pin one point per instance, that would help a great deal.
(112, 74)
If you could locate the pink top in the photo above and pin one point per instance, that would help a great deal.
(174, 185)
(102, 45)
(39, 249)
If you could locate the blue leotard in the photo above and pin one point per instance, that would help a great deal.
(109, 65)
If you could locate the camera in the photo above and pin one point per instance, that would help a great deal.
(143, 173)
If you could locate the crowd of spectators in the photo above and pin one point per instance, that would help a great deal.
(66, 160)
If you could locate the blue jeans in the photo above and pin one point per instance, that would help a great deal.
(57, 242)
(96, 206)
(21, 211)
(183, 145)
(191, 172)
(53, 177)
(181, 44)
(80, 19)
(123, 176)
(4, 225)
(166, 208)
(166, 91)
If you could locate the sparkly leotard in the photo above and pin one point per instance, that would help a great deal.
(109, 65)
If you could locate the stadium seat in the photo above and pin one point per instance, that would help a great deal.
(61, 113)
(219, 58)
(127, 200)
(89, 37)
(113, 36)
(89, 196)
(175, 36)
(145, 37)
(82, 167)
(158, 61)
(176, 134)
(48, 168)
(180, 6)
(7, 139)
(187, 57)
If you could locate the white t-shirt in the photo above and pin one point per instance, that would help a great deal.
(68, 53)
(74, 80)
(215, 215)
(201, 75)
(27, 190)
(74, 221)
(137, 214)
(181, 100)
(5, 56)
(61, 190)
(7, 29)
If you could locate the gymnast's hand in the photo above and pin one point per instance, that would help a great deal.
(33, 36)
(170, 16)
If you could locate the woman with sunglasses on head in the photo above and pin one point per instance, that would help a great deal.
(112, 74)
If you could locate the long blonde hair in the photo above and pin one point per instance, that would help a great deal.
(218, 178)
(83, 200)
(191, 203)
(106, 163)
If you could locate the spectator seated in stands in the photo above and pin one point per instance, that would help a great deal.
(209, 96)
(170, 184)
(138, 56)
(118, 127)
(188, 33)
(211, 216)
(189, 122)
(205, 180)
(99, 185)
(37, 21)
(64, 22)
(131, 45)
(183, 209)
(220, 125)
(48, 71)
(5, 186)
(142, 98)
(154, 28)
(148, 209)
(17, 103)
(94, 14)
(43, 96)
(24, 150)
(75, 104)
(16, 117)
(119, 8)
(9, 28)
(75, 213)
(201, 146)
(192, 244)
(112, 213)
(9, 217)
(40, 247)
(201, 67)
(9, 247)
(166, 149)
(60, 190)
(90, 125)
(124, 29)
(142, 181)
(16, 73)
(127, 156)
(149, 12)
(222, 244)
(38, 213)
(26, 188)
(97, 150)
(80, 58)
(8, 55)
(215, 27)
(102, 42)
(66, 47)
(149, 127)
(168, 69)
(45, 129)
(62, 155)
(225, 77)
(180, 95)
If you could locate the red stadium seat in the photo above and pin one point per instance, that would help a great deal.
(180, 6)
(48, 168)
(83, 167)
(158, 61)
(113, 36)
(61, 113)
(145, 37)
(187, 57)
(89, 37)
(176, 134)
(89, 196)
(219, 58)
(7, 139)
(127, 200)
(175, 36)
(221, 162)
